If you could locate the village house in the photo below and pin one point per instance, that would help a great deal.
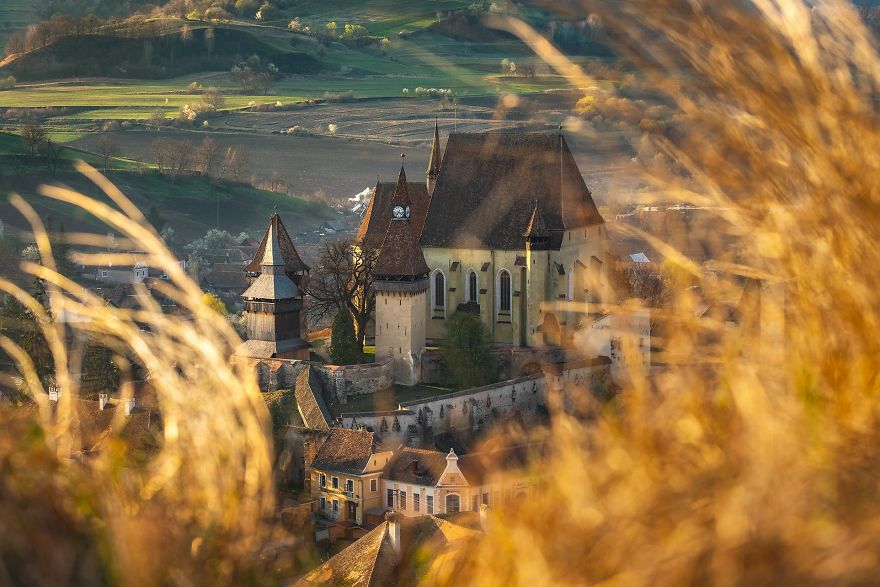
(420, 482)
(346, 472)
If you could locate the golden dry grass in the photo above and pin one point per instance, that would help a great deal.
(751, 460)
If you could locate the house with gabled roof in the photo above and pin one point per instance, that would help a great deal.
(419, 482)
(345, 474)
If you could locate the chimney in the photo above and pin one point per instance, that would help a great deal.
(103, 400)
(484, 517)
(128, 405)
(394, 519)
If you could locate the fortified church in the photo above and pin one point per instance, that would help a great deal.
(503, 227)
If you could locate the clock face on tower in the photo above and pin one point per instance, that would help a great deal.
(400, 212)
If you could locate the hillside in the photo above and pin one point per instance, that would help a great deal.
(190, 203)
(163, 56)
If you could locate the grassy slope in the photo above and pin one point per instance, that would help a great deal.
(188, 203)
(15, 15)
(424, 59)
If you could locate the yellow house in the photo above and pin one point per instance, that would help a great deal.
(345, 474)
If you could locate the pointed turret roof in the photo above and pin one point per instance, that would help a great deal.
(537, 227)
(434, 161)
(284, 248)
(273, 282)
(400, 256)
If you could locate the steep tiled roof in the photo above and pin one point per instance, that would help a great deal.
(376, 219)
(346, 451)
(400, 254)
(372, 561)
(310, 400)
(293, 263)
(487, 186)
(430, 466)
(368, 561)
(536, 227)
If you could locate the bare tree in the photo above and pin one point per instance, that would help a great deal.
(53, 155)
(160, 149)
(209, 158)
(342, 281)
(34, 134)
(107, 149)
(236, 162)
(213, 99)
(178, 157)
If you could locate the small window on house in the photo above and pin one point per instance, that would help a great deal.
(486, 498)
(416, 504)
(103, 274)
(403, 500)
(335, 482)
(390, 502)
(323, 479)
(429, 504)
(349, 485)
(335, 505)
(475, 503)
(374, 485)
(323, 503)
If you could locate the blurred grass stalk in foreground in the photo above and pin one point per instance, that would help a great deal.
(751, 459)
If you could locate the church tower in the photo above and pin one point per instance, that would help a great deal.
(434, 161)
(401, 285)
(274, 300)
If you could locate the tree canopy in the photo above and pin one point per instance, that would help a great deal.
(469, 362)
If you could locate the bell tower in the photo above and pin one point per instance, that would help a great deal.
(401, 285)
(274, 300)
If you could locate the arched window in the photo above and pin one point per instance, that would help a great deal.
(569, 284)
(472, 287)
(439, 290)
(504, 292)
(453, 503)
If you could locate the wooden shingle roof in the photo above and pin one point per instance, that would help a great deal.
(376, 219)
(488, 185)
(400, 256)
(293, 263)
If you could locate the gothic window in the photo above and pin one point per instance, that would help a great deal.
(504, 293)
(439, 290)
(472, 288)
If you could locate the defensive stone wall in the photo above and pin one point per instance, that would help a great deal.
(339, 381)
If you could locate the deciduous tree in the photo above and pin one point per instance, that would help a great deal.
(342, 281)
(469, 363)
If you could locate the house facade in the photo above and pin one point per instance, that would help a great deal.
(420, 482)
(346, 472)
